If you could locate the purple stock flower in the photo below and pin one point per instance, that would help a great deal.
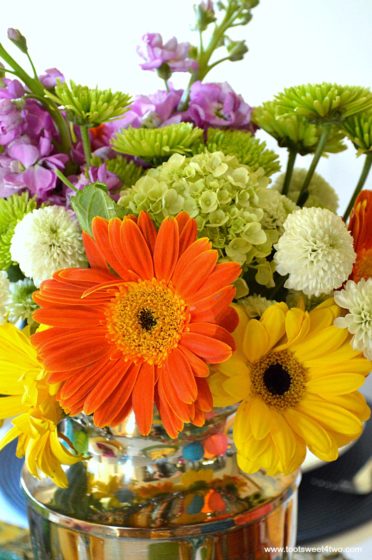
(154, 110)
(98, 174)
(30, 167)
(50, 77)
(11, 122)
(217, 105)
(11, 89)
(175, 55)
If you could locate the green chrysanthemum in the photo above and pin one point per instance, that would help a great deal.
(325, 102)
(127, 171)
(359, 130)
(157, 144)
(294, 131)
(248, 149)
(20, 304)
(12, 210)
(89, 107)
(229, 201)
(321, 194)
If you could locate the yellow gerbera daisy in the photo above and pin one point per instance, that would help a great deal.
(30, 401)
(296, 376)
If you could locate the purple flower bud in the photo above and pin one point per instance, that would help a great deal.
(18, 39)
(50, 77)
(172, 54)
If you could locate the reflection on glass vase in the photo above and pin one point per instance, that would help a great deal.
(155, 498)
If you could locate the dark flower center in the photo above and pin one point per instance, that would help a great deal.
(146, 319)
(277, 379)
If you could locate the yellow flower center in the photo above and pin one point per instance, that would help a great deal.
(363, 264)
(146, 321)
(279, 379)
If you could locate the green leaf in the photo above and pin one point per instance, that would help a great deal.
(93, 201)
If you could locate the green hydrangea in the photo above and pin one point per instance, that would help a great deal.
(12, 210)
(229, 201)
(248, 149)
(255, 305)
(321, 194)
(294, 131)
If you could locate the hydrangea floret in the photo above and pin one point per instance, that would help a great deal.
(230, 202)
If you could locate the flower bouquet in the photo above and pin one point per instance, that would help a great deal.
(158, 287)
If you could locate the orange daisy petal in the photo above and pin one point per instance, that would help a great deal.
(214, 331)
(94, 255)
(181, 377)
(137, 252)
(110, 379)
(171, 422)
(119, 402)
(188, 230)
(209, 308)
(166, 249)
(102, 232)
(205, 400)
(148, 229)
(223, 274)
(143, 398)
(166, 393)
(196, 273)
(213, 351)
(199, 367)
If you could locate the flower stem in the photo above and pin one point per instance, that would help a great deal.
(292, 154)
(362, 179)
(326, 129)
(33, 84)
(64, 180)
(86, 143)
(32, 66)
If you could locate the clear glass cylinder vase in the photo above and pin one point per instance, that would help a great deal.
(156, 498)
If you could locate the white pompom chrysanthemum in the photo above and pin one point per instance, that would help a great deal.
(4, 294)
(315, 250)
(357, 299)
(45, 241)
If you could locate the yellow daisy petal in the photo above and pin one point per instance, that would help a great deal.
(242, 433)
(256, 341)
(330, 415)
(236, 365)
(318, 440)
(337, 384)
(238, 387)
(273, 320)
(283, 439)
(220, 397)
(10, 406)
(327, 340)
(260, 419)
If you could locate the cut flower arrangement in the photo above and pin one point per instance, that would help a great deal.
(152, 267)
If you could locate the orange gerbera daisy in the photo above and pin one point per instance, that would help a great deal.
(140, 326)
(361, 230)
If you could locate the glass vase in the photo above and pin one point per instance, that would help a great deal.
(156, 498)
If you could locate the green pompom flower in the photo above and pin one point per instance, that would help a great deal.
(20, 304)
(127, 171)
(12, 210)
(293, 131)
(229, 201)
(321, 194)
(359, 130)
(89, 107)
(157, 144)
(248, 149)
(325, 102)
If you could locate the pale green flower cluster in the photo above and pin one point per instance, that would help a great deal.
(230, 203)
(321, 194)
